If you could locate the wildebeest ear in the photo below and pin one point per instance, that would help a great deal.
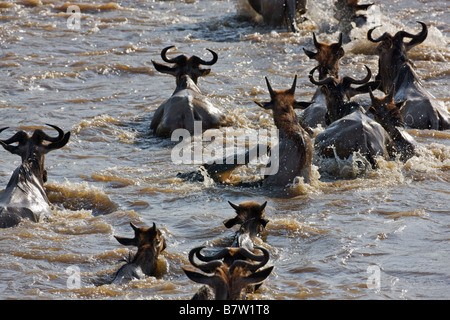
(231, 222)
(126, 241)
(200, 277)
(265, 105)
(205, 72)
(164, 69)
(310, 54)
(258, 276)
(264, 222)
(301, 105)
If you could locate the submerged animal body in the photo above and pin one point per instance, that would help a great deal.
(251, 221)
(187, 103)
(350, 130)
(421, 110)
(150, 243)
(24, 196)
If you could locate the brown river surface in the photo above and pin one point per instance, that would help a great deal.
(327, 239)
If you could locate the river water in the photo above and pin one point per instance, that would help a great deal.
(383, 234)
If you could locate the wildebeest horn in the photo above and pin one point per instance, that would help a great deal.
(263, 206)
(269, 87)
(235, 206)
(247, 254)
(56, 142)
(294, 85)
(340, 40)
(362, 81)
(43, 136)
(222, 253)
(207, 63)
(20, 136)
(316, 43)
(320, 82)
(381, 38)
(206, 267)
(415, 38)
(173, 60)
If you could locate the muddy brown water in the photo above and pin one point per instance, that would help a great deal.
(327, 239)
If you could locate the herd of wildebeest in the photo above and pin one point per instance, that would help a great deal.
(374, 131)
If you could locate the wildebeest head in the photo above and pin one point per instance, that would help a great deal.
(150, 243)
(228, 281)
(184, 66)
(389, 114)
(145, 237)
(338, 90)
(392, 52)
(33, 149)
(386, 112)
(250, 217)
(282, 103)
(327, 55)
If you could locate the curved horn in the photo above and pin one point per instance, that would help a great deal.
(164, 56)
(252, 266)
(207, 267)
(381, 38)
(173, 60)
(51, 139)
(222, 253)
(320, 82)
(415, 38)
(210, 62)
(351, 80)
(19, 136)
(271, 92)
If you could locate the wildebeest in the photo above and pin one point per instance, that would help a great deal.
(25, 196)
(277, 13)
(294, 149)
(422, 110)
(150, 243)
(250, 218)
(350, 129)
(388, 114)
(187, 103)
(328, 57)
(227, 279)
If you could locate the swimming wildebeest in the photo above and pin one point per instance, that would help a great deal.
(24, 196)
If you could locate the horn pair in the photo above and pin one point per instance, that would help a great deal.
(415, 38)
(182, 58)
(346, 79)
(213, 262)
